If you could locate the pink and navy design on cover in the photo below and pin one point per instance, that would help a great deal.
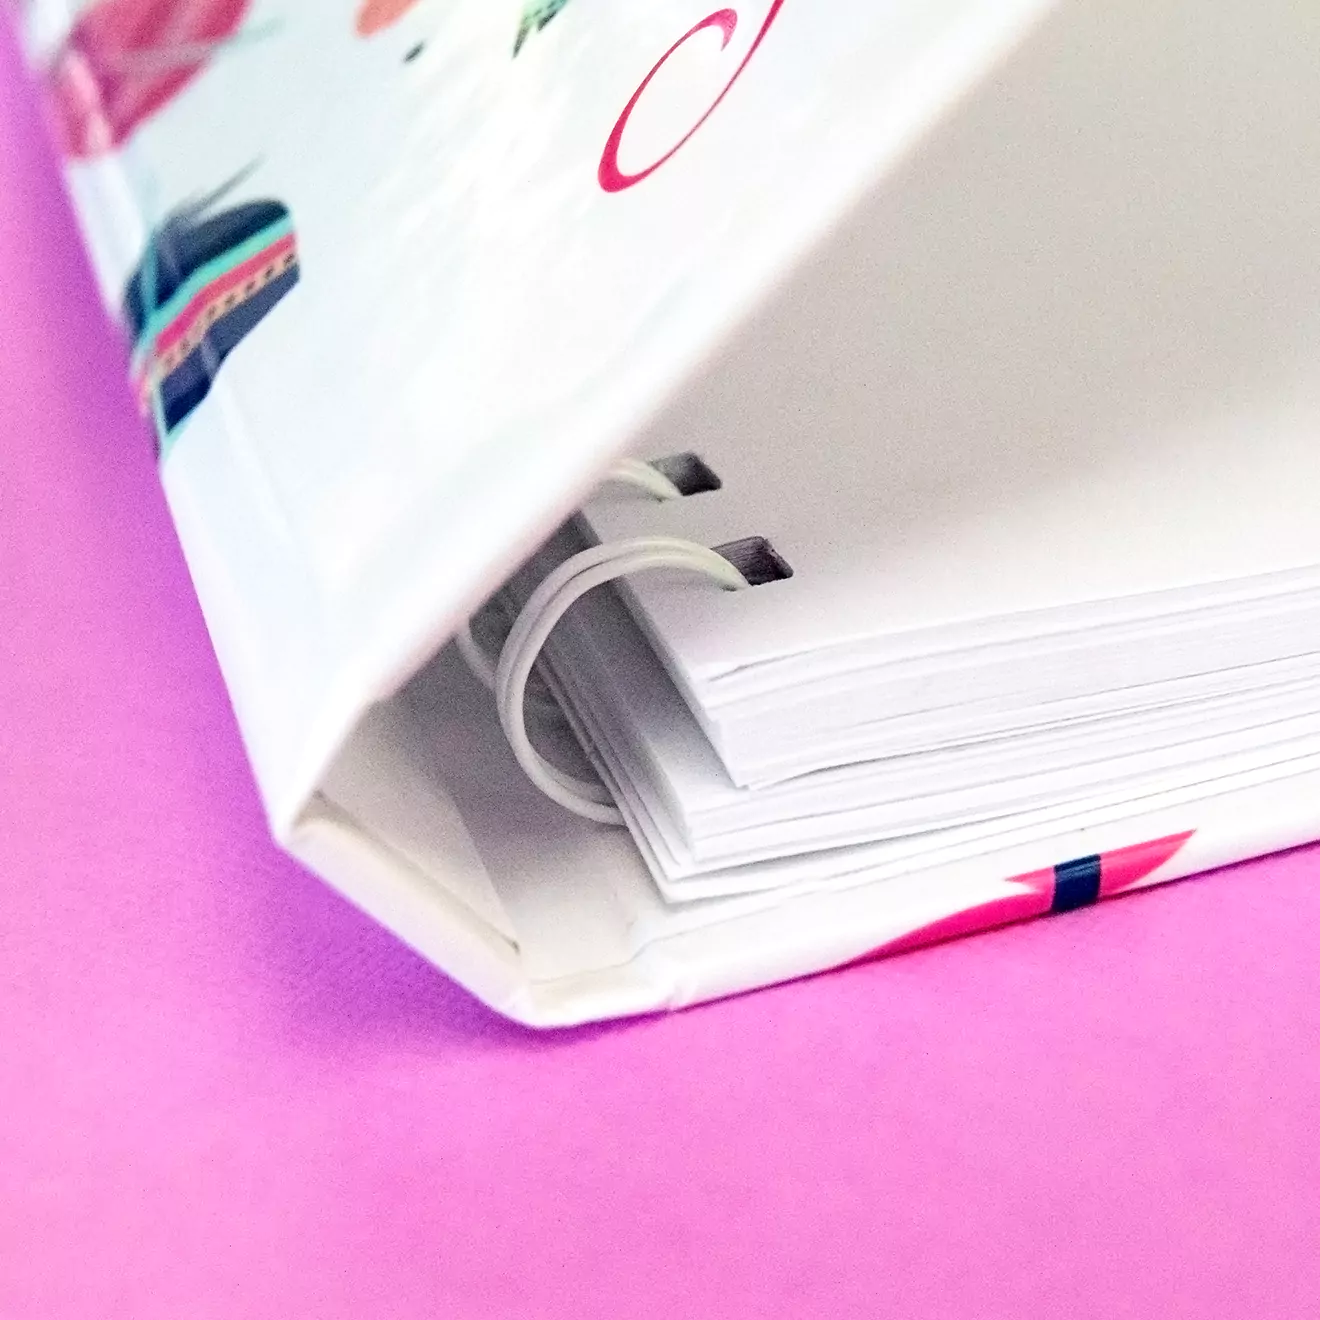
(204, 283)
(123, 61)
(1060, 888)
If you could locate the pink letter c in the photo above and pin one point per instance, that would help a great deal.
(612, 178)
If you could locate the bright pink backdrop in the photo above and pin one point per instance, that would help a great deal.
(223, 1093)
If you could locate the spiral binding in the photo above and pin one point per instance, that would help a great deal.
(626, 472)
(509, 678)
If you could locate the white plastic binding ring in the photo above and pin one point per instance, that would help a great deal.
(626, 472)
(546, 606)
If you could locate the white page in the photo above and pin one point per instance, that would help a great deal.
(1071, 354)
(792, 729)
(697, 820)
(682, 881)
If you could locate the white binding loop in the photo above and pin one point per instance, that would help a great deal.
(478, 658)
(545, 607)
(626, 472)
(644, 477)
(475, 656)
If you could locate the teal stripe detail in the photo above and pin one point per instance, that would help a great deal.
(200, 278)
(149, 303)
(167, 438)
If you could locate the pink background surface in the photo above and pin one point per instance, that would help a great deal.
(224, 1093)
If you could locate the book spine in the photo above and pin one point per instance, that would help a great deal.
(76, 107)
